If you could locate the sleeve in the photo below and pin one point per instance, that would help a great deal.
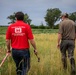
(30, 34)
(8, 33)
(60, 29)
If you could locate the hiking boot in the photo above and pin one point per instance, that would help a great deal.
(72, 61)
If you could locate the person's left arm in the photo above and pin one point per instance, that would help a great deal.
(8, 45)
(8, 39)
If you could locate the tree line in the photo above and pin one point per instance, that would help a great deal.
(51, 17)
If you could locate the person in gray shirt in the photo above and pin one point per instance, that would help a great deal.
(66, 41)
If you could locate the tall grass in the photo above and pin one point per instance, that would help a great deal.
(50, 58)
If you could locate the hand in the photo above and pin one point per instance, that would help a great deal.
(35, 51)
(9, 51)
(58, 45)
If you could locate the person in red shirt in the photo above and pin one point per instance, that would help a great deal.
(18, 36)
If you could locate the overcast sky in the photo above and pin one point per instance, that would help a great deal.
(36, 9)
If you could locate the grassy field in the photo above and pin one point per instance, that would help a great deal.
(35, 31)
(50, 63)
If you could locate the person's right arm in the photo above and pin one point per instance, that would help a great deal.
(32, 41)
(59, 38)
(59, 35)
(75, 30)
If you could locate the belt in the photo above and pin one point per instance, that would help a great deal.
(68, 39)
(21, 49)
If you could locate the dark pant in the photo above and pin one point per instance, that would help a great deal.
(68, 45)
(22, 60)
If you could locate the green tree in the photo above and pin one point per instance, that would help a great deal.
(72, 16)
(26, 19)
(52, 16)
(13, 19)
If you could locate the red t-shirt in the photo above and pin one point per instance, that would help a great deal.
(19, 33)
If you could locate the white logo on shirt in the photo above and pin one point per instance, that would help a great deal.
(18, 30)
